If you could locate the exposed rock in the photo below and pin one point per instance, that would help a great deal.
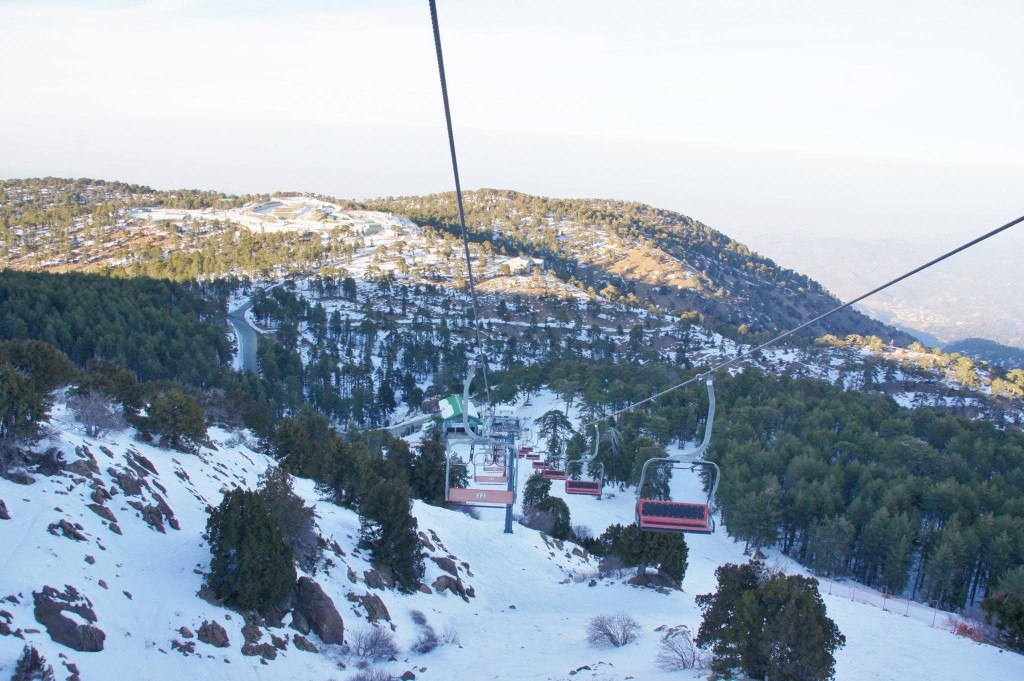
(299, 622)
(99, 495)
(85, 465)
(426, 542)
(374, 579)
(73, 670)
(186, 632)
(375, 608)
(4, 514)
(140, 464)
(264, 650)
(102, 511)
(424, 589)
(471, 592)
(213, 634)
(17, 477)
(115, 528)
(207, 594)
(318, 609)
(251, 633)
(446, 583)
(654, 579)
(102, 583)
(106, 451)
(129, 484)
(50, 606)
(407, 676)
(279, 643)
(446, 564)
(50, 463)
(352, 576)
(304, 644)
(154, 518)
(184, 648)
(63, 527)
(90, 560)
(5, 623)
(166, 511)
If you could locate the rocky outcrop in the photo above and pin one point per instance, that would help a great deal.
(452, 584)
(318, 610)
(374, 606)
(50, 606)
(66, 529)
(102, 511)
(4, 514)
(303, 643)
(213, 634)
(446, 564)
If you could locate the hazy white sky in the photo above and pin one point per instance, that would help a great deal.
(757, 118)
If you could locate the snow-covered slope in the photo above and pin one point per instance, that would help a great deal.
(528, 597)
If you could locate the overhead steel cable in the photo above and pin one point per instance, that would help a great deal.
(817, 319)
(458, 195)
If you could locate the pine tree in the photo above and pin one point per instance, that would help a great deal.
(251, 566)
(770, 626)
(558, 511)
(178, 419)
(537, 489)
(388, 529)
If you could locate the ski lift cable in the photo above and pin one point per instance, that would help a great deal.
(458, 193)
(817, 319)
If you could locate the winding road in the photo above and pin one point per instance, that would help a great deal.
(247, 338)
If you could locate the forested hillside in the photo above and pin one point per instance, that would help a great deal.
(367, 321)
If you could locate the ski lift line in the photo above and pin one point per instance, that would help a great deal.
(751, 351)
(458, 188)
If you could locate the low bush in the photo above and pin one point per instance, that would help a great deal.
(612, 630)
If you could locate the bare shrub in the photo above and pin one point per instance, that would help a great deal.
(427, 641)
(677, 652)
(373, 643)
(418, 618)
(32, 666)
(611, 566)
(97, 412)
(612, 630)
(582, 532)
(372, 675)
(450, 636)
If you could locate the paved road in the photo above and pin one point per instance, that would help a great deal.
(247, 338)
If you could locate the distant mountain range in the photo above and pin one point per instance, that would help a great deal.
(971, 295)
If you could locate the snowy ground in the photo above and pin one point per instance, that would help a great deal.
(526, 621)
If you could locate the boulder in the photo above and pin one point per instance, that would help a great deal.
(4, 514)
(304, 644)
(446, 564)
(318, 609)
(446, 583)
(50, 606)
(102, 511)
(214, 634)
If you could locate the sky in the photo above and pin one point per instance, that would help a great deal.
(761, 119)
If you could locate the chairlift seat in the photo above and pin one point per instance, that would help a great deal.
(554, 474)
(541, 464)
(592, 487)
(491, 479)
(503, 497)
(674, 516)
